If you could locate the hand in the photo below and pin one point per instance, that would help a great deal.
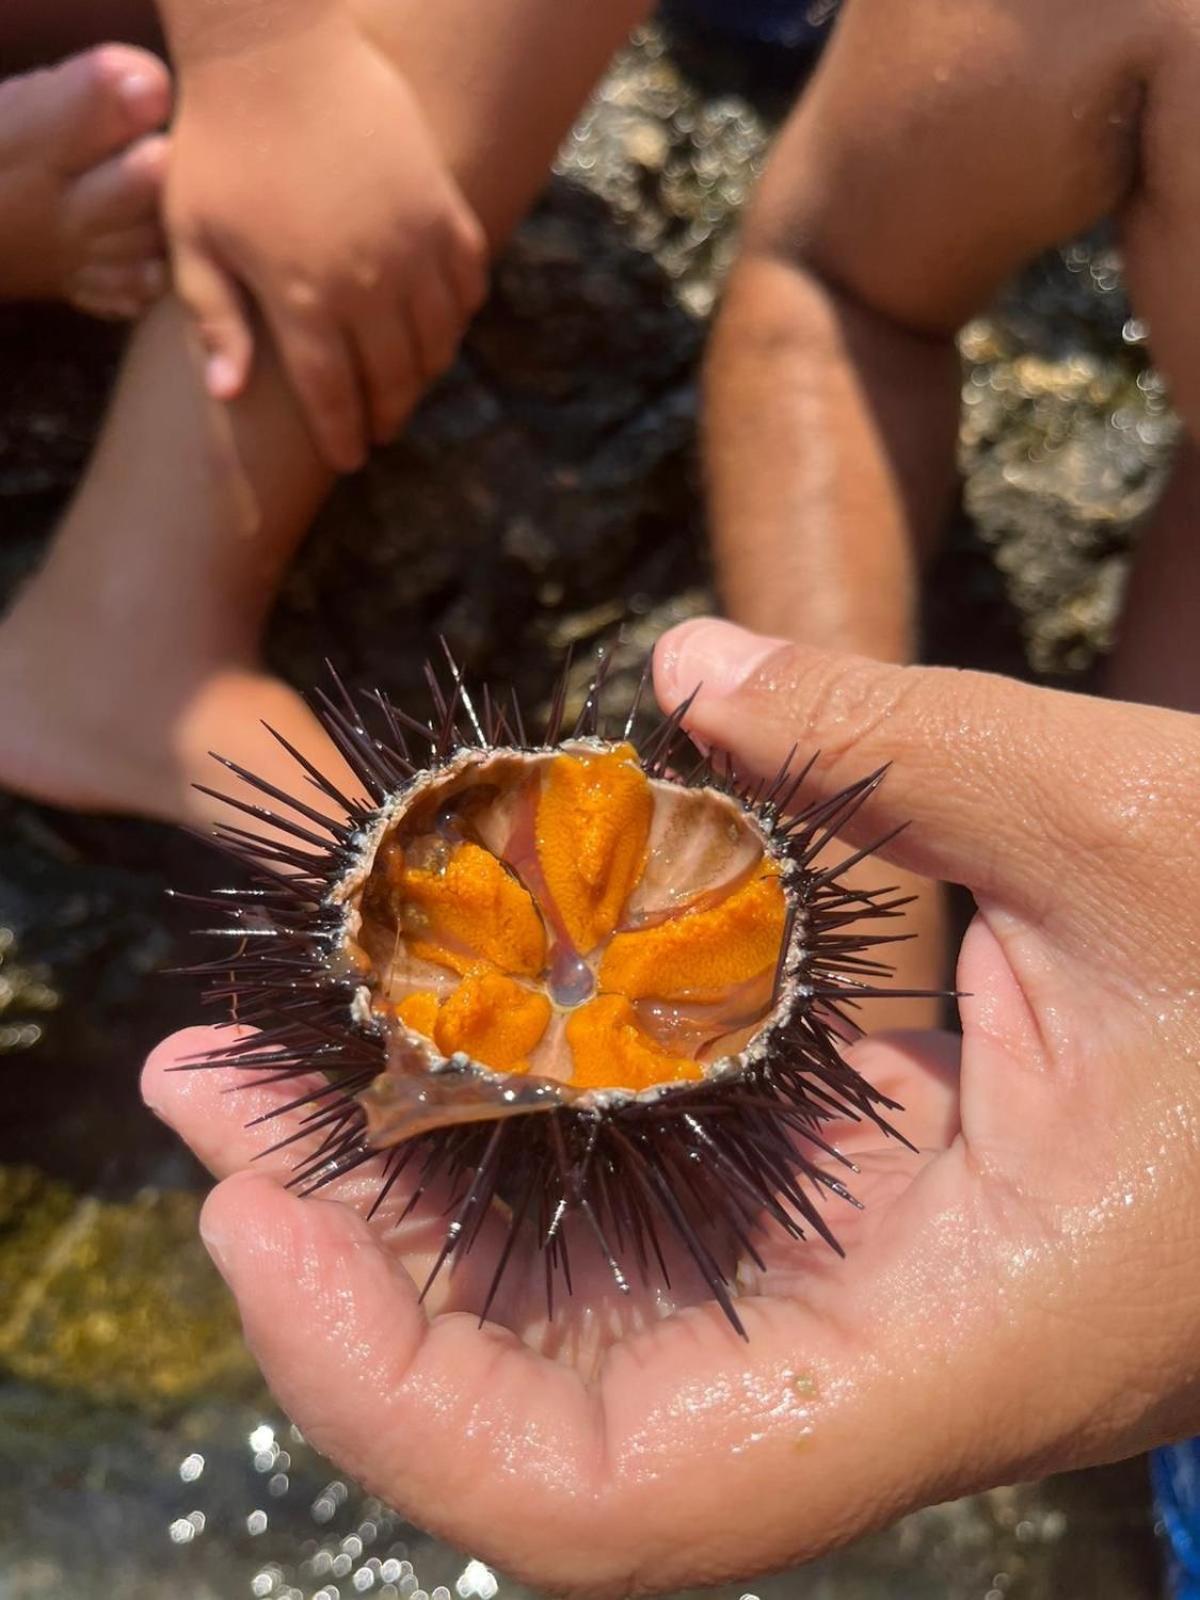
(1019, 1297)
(302, 175)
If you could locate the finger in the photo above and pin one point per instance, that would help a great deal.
(388, 359)
(143, 242)
(436, 321)
(123, 190)
(466, 259)
(235, 1119)
(317, 359)
(217, 308)
(228, 1117)
(461, 1426)
(822, 1427)
(920, 1072)
(238, 1118)
(242, 1118)
(1007, 787)
(101, 100)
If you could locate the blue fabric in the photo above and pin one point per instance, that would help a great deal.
(1175, 1474)
(785, 22)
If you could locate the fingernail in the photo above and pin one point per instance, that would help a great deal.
(221, 377)
(213, 1238)
(719, 656)
(153, 1101)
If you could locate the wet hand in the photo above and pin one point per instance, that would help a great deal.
(1018, 1296)
(303, 183)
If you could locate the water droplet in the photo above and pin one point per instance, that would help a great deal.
(571, 979)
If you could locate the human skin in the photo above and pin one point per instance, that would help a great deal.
(922, 167)
(346, 231)
(81, 164)
(936, 150)
(1019, 1297)
(361, 251)
(168, 559)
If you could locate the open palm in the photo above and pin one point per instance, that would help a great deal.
(1018, 1296)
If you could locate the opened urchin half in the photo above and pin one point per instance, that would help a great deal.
(592, 975)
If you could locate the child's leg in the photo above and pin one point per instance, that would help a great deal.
(1157, 660)
(500, 82)
(134, 651)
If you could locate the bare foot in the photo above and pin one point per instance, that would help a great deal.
(87, 725)
(228, 716)
(81, 166)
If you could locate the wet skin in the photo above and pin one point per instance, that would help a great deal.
(1019, 1297)
(937, 149)
(927, 162)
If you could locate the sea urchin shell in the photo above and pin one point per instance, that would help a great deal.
(561, 976)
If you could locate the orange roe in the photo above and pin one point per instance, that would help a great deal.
(463, 910)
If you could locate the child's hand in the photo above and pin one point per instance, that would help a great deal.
(302, 176)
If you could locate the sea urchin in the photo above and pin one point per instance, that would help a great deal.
(560, 976)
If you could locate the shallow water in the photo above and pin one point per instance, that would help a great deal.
(139, 1458)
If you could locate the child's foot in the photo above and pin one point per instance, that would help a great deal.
(80, 172)
(86, 725)
(228, 715)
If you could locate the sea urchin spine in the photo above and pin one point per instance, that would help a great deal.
(588, 976)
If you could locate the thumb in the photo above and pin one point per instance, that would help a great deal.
(1004, 786)
(218, 310)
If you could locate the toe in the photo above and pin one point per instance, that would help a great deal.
(117, 291)
(143, 243)
(120, 192)
(101, 100)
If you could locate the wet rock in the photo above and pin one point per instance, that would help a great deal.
(1066, 441)
(116, 1301)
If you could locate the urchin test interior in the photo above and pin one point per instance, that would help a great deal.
(561, 915)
